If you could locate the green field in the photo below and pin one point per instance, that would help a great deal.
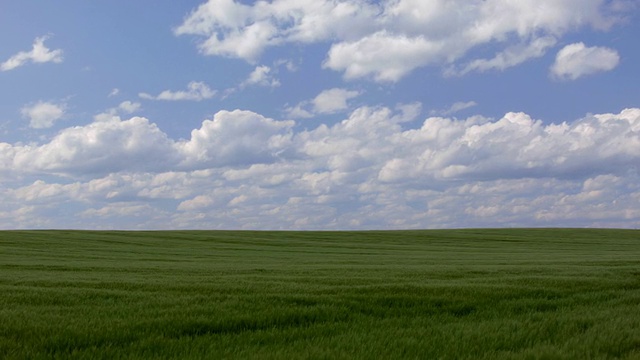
(450, 294)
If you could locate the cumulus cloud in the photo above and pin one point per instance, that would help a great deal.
(129, 106)
(125, 210)
(516, 146)
(233, 29)
(442, 148)
(243, 170)
(38, 54)
(328, 101)
(387, 40)
(262, 76)
(300, 111)
(236, 137)
(388, 57)
(511, 56)
(288, 64)
(454, 108)
(125, 107)
(99, 147)
(196, 91)
(407, 112)
(42, 115)
(198, 202)
(576, 60)
(333, 100)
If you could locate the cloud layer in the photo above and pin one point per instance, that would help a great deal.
(387, 40)
(243, 170)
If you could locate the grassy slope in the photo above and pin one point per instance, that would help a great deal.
(530, 293)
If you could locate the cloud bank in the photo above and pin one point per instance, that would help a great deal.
(243, 170)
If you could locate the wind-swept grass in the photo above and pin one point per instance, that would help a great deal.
(451, 294)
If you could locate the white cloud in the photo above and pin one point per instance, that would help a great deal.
(387, 40)
(243, 170)
(454, 108)
(511, 56)
(125, 107)
(196, 91)
(100, 147)
(577, 60)
(299, 111)
(329, 101)
(42, 115)
(126, 210)
(38, 54)
(262, 76)
(442, 148)
(236, 137)
(407, 112)
(333, 100)
(387, 57)
(198, 202)
(288, 64)
(114, 92)
(233, 29)
(129, 107)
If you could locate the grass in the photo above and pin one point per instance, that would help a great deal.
(450, 294)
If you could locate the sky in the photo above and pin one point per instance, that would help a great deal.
(319, 114)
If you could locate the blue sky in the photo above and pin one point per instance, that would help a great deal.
(324, 114)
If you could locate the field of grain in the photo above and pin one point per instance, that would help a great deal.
(449, 294)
